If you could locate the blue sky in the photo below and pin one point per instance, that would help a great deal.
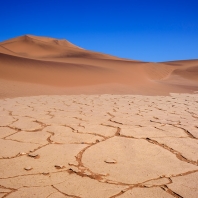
(148, 30)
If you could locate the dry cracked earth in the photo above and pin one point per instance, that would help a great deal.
(99, 146)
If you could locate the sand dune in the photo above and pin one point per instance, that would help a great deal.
(42, 47)
(190, 73)
(60, 64)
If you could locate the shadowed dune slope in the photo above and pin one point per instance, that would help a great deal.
(185, 73)
(190, 73)
(32, 61)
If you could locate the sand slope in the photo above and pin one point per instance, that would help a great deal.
(60, 65)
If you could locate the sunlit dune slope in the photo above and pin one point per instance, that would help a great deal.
(42, 47)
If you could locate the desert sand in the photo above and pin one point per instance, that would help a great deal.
(76, 123)
(31, 65)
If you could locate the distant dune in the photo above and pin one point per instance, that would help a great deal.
(31, 65)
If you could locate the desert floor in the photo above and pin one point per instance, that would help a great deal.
(99, 146)
(78, 123)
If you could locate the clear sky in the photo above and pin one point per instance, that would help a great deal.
(148, 30)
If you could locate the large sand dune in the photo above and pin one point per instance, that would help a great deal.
(58, 66)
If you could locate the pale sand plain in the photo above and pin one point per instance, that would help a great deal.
(76, 123)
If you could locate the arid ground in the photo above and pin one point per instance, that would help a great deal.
(76, 123)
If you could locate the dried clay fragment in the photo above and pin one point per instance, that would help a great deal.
(28, 168)
(74, 169)
(123, 191)
(22, 153)
(34, 155)
(110, 161)
(74, 163)
(45, 173)
(59, 166)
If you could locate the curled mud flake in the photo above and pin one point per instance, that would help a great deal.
(28, 168)
(45, 173)
(74, 169)
(22, 153)
(86, 172)
(34, 155)
(73, 163)
(123, 191)
(147, 186)
(110, 161)
(59, 166)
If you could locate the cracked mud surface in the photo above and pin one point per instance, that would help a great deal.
(93, 146)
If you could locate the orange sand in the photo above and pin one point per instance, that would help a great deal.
(31, 65)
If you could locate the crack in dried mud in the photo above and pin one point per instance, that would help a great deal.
(64, 193)
(169, 191)
(113, 121)
(176, 153)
